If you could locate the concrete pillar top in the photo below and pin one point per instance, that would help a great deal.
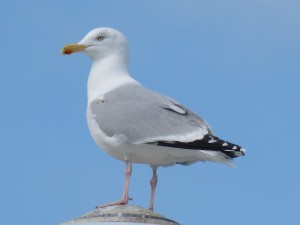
(121, 214)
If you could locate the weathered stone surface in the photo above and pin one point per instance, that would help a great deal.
(122, 213)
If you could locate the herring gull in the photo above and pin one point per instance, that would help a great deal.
(137, 125)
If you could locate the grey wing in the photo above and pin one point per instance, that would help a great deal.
(143, 116)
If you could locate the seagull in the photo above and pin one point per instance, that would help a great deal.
(137, 125)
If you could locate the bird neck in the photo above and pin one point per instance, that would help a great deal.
(107, 74)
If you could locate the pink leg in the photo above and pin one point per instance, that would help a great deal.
(125, 198)
(153, 183)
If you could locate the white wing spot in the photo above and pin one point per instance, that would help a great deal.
(243, 150)
(212, 140)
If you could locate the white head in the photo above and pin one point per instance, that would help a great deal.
(100, 43)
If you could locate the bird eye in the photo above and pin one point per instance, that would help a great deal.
(100, 38)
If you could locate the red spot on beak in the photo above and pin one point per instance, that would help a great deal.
(68, 52)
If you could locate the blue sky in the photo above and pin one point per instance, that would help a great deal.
(235, 63)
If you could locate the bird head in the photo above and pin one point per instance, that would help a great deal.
(100, 43)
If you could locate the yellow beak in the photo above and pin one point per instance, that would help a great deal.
(69, 49)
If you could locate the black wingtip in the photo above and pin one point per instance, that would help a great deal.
(210, 143)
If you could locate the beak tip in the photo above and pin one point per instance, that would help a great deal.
(66, 51)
